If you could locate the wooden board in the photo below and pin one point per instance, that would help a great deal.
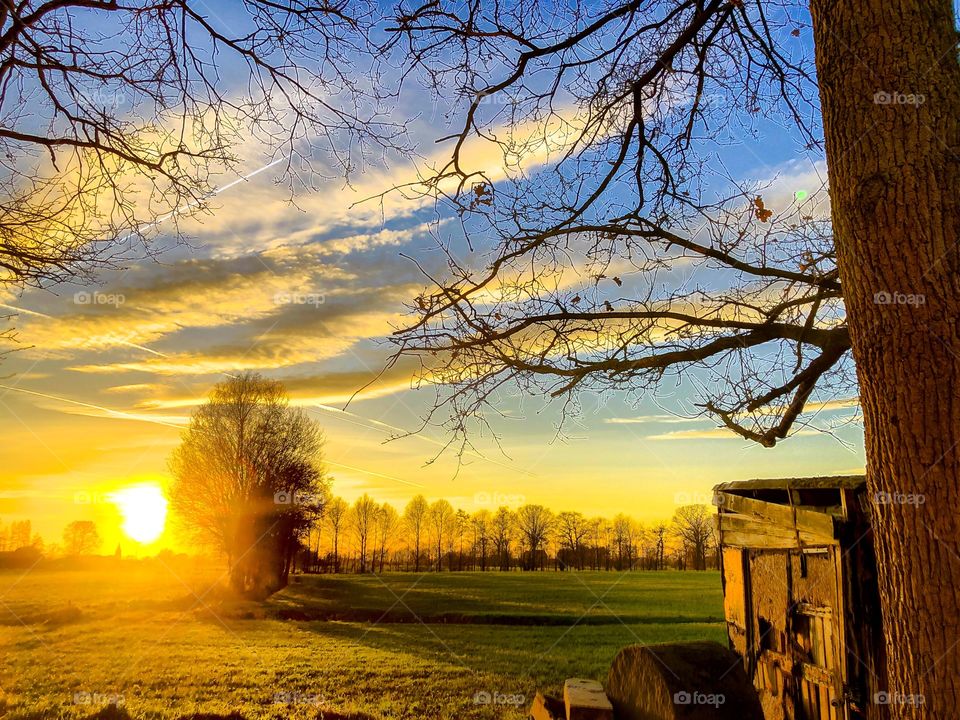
(805, 519)
(751, 532)
(586, 700)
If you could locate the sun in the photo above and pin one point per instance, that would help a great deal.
(144, 511)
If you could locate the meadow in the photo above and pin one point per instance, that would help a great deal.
(145, 641)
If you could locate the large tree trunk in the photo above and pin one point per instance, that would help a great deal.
(890, 90)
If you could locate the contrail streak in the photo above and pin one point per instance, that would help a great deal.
(376, 474)
(212, 193)
(425, 438)
(145, 418)
(111, 411)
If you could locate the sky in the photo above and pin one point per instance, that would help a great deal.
(108, 373)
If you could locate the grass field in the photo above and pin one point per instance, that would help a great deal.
(169, 645)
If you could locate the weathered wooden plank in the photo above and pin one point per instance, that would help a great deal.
(586, 700)
(811, 610)
(734, 592)
(749, 532)
(732, 522)
(853, 482)
(814, 674)
(812, 521)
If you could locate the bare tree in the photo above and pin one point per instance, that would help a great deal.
(17, 535)
(81, 537)
(659, 532)
(502, 529)
(441, 518)
(596, 535)
(415, 518)
(573, 529)
(387, 522)
(625, 533)
(580, 273)
(480, 523)
(461, 523)
(335, 517)
(248, 479)
(118, 116)
(693, 525)
(624, 106)
(363, 517)
(534, 522)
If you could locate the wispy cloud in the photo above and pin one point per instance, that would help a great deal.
(649, 419)
(835, 404)
(711, 434)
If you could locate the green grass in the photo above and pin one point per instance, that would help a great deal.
(535, 598)
(141, 634)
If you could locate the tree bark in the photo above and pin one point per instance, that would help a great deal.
(890, 90)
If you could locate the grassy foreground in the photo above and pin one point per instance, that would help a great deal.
(165, 644)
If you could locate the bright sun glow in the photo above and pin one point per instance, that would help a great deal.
(144, 511)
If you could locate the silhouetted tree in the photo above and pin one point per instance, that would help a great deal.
(693, 525)
(247, 479)
(461, 522)
(441, 518)
(660, 532)
(573, 528)
(81, 537)
(387, 522)
(336, 514)
(363, 517)
(625, 533)
(415, 518)
(19, 534)
(480, 524)
(534, 523)
(502, 530)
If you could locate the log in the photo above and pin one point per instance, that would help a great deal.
(681, 681)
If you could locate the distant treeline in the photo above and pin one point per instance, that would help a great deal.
(372, 537)
(19, 547)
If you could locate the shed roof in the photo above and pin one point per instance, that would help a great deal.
(850, 482)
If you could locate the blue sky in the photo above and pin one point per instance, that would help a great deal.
(306, 292)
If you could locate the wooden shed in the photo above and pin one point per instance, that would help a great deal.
(800, 595)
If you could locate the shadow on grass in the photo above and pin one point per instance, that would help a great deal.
(110, 712)
(50, 618)
(541, 654)
(115, 712)
(535, 599)
(460, 618)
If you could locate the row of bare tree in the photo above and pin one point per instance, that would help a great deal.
(371, 537)
(15, 535)
(20, 547)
